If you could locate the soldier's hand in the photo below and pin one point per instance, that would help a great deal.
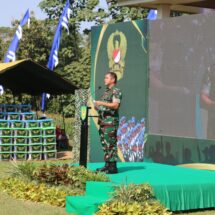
(98, 103)
(95, 105)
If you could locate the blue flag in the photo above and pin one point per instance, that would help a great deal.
(152, 15)
(53, 58)
(11, 53)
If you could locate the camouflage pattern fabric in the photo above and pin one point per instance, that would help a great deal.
(109, 121)
(81, 98)
(109, 142)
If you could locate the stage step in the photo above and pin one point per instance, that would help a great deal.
(98, 189)
(96, 194)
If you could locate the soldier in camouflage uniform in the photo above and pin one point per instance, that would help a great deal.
(208, 99)
(108, 107)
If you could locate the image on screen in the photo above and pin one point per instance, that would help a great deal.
(182, 76)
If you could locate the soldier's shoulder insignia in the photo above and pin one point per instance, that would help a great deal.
(116, 90)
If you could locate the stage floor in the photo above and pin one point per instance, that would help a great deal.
(178, 188)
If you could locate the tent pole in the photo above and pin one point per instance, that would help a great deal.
(13, 99)
(35, 100)
(61, 103)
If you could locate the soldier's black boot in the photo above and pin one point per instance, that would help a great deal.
(112, 168)
(103, 169)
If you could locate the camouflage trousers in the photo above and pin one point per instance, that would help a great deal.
(108, 135)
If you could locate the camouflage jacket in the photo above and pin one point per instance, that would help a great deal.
(108, 116)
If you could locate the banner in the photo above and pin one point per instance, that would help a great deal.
(53, 58)
(11, 53)
(122, 48)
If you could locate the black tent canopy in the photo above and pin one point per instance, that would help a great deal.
(27, 76)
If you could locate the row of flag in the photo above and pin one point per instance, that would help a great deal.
(53, 58)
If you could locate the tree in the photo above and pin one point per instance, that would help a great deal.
(74, 54)
(6, 35)
(121, 14)
(1, 49)
(36, 42)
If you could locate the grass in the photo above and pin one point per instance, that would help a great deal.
(10, 206)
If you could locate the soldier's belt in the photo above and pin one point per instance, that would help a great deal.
(107, 114)
(107, 124)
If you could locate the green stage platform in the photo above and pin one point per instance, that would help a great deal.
(178, 188)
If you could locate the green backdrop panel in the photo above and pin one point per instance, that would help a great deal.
(178, 150)
(129, 41)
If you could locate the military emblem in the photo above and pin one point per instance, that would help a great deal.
(116, 48)
(83, 112)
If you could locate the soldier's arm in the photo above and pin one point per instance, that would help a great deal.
(112, 105)
(206, 101)
(117, 96)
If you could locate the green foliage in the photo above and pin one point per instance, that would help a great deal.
(57, 175)
(133, 200)
(1, 49)
(133, 193)
(120, 14)
(79, 71)
(35, 192)
(6, 35)
(48, 183)
(81, 10)
(134, 208)
(74, 177)
(74, 52)
(36, 42)
(23, 170)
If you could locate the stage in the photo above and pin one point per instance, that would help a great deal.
(177, 188)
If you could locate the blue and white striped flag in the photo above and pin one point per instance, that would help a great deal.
(64, 22)
(11, 53)
(53, 58)
(152, 15)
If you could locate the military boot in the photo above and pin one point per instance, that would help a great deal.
(112, 168)
(103, 169)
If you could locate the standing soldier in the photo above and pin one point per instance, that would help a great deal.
(208, 99)
(108, 109)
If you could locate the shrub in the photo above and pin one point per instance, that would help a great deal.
(20, 189)
(48, 183)
(133, 193)
(133, 200)
(134, 208)
(24, 170)
(75, 177)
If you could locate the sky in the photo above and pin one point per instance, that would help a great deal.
(15, 9)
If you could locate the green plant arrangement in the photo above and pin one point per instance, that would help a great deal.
(133, 200)
(23, 170)
(133, 193)
(72, 176)
(48, 183)
(20, 189)
(134, 208)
